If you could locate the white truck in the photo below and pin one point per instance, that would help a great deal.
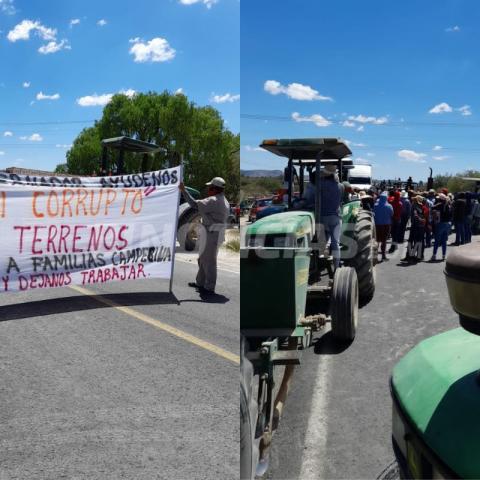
(360, 176)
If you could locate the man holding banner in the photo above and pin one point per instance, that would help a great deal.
(214, 211)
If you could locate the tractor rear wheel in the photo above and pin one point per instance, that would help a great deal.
(189, 230)
(344, 304)
(364, 260)
(249, 443)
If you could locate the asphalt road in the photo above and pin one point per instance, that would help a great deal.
(101, 387)
(337, 420)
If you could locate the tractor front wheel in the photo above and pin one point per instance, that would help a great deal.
(344, 304)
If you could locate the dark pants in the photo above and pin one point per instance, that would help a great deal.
(382, 235)
(460, 233)
(441, 236)
(468, 229)
(402, 229)
(397, 232)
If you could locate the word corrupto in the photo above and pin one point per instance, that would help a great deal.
(80, 202)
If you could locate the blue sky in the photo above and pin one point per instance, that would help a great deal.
(60, 61)
(382, 75)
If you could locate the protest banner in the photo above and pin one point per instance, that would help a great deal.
(60, 231)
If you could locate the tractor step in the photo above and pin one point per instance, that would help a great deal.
(286, 357)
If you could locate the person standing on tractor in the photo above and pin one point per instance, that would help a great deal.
(383, 213)
(331, 193)
(214, 210)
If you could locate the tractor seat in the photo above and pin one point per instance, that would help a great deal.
(462, 271)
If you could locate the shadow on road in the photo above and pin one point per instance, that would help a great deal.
(208, 298)
(327, 345)
(78, 303)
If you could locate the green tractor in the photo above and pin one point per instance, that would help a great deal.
(291, 289)
(436, 386)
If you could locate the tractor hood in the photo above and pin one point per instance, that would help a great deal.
(294, 222)
(437, 388)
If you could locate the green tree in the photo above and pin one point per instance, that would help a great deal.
(189, 133)
(455, 183)
(84, 156)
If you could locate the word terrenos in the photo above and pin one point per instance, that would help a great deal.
(137, 180)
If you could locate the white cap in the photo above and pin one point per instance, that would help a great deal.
(330, 168)
(217, 182)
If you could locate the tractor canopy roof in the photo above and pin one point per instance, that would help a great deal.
(129, 144)
(308, 148)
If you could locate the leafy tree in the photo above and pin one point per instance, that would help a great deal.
(189, 133)
(455, 183)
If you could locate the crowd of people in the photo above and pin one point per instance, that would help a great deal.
(429, 216)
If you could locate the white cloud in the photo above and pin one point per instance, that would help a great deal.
(465, 110)
(74, 21)
(249, 148)
(437, 148)
(102, 22)
(178, 91)
(365, 119)
(42, 96)
(34, 137)
(7, 134)
(296, 91)
(411, 156)
(370, 154)
(348, 123)
(455, 28)
(441, 108)
(441, 158)
(2, 153)
(101, 100)
(227, 97)
(22, 31)
(25, 84)
(155, 50)
(207, 3)
(59, 145)
(7, 7)
(318, 120)
(54, 46)
(361, 128)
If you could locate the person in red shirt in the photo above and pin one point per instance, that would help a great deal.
(396, 221)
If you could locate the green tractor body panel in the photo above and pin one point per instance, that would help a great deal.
(349, 218)
(275, 268)
(193, 192)
(293, 223)
(437, 388)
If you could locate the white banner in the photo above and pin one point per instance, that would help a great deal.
(60, 231)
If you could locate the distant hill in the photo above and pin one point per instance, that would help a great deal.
(261, 173)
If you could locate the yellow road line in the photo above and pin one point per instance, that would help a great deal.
(162, 326)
